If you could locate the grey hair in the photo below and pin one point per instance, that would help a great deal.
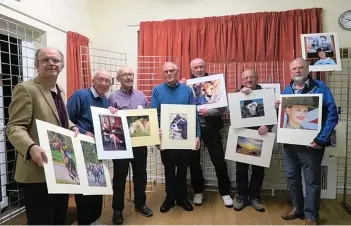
(300, 58)
(121, 70)
(197, 59)
(171, 63)
(254, 72)
(36, 60)
(97, 72)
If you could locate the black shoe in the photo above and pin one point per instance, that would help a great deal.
(186, 205)
(144, 210)
(166, 206)
(117, 217)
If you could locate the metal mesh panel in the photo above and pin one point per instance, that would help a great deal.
(17, 49)
(91, 60)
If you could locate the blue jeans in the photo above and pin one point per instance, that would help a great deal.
(309, 159)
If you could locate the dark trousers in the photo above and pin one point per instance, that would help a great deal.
(120, 172)
(310, 160)
(43, 208)
(245, 189)
(89, 208)
(176, 163)
(213, 142)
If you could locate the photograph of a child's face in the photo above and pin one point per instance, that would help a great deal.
(300, 113)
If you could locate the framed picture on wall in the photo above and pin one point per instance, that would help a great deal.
(178, 125)
(247, 146)
(143, 127)
(255, 109)
(111, 134)
(209, 91)
(64, 171)
(321, 50)
(299, 118)
(274, 86)
(338, 140)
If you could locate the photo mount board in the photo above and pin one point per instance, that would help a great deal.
(298, 136)
(117, 154)
(274, 86)
(154, 138)
(270, 117)
(166, 111)
(340, 149)
(266, 152)
(223, 100)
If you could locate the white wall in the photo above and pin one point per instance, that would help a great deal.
(55, 17)
(111, 17)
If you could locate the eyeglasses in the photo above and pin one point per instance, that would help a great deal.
(125, 75)
(47, 60)
(250, 77)
(102, 80)
(169, 71)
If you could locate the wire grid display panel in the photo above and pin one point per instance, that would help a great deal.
(92, 60)
(18, 44)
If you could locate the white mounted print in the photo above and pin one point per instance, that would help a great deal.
(98, 177)
(255, 109)
(299, 118)
(275, 87)
(111, 134)
(64, 171)
(178, 125)
(338, 140)
(209, 91)
(247, 146)
(321, 51)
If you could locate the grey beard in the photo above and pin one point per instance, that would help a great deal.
(300, 80)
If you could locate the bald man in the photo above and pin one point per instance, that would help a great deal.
(89, 206)
(125, 98)
(249, 189)
(308, 158)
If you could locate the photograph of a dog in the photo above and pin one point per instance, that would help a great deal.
(112, 133)
(63, 158)
(249, 146)
(94, 167)
(252, 108)
(139, 126)
(208, 92)
(178, 129)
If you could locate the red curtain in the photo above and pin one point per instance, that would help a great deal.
(78, 63)
(253, 37)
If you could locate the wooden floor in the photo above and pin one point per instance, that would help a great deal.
(213, 212)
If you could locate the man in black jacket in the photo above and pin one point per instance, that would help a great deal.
(250, 193)
(211, 124)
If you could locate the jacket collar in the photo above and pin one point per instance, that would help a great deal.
(193, 76)
(257, 87)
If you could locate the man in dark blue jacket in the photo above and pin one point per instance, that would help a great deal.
(309, 158)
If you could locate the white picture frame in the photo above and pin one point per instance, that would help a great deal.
(274, 86)
(113, 142)
(310, 128)
(263, 101)
(214, 84)
(60, 180)
(247, 146)
(98, 176)
(178, 115)
(312, 43)
(338, 148)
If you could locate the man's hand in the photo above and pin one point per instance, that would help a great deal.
(246, 90)
(197, 143)
(89, 134)
(38, 155)
(112, 110)
(277, 104)
(315, 146)
(183, 80)
(75, 130)
(263, 130)
(204, 112)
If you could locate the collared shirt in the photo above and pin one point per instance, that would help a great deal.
(60, 106)
(95, 94)
(299, 91)
(133, 99)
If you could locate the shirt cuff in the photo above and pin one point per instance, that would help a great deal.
(28, 154)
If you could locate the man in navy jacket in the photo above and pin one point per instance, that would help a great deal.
(309, 158)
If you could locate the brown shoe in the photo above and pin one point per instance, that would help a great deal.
(310, 222)
(291, 215)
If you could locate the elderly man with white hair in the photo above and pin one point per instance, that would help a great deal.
(89, 207)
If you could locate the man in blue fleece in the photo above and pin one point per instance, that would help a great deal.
(89, 206)
(309, 158)
(175, 162)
